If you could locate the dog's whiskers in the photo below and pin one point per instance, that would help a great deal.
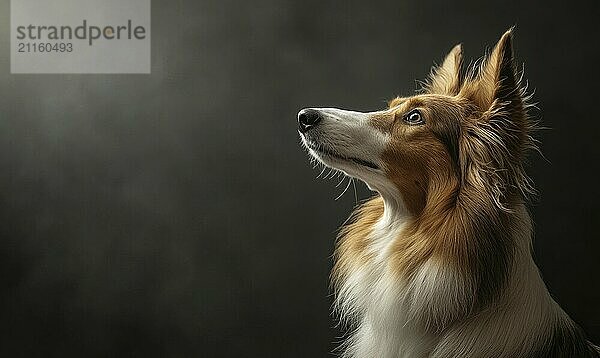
(347, 186)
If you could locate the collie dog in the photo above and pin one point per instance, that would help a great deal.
(438, 263)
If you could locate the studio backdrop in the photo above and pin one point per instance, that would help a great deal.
(166, 207)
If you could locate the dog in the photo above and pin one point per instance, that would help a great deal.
(439, 263)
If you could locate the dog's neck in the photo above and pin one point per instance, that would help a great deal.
(395, 211)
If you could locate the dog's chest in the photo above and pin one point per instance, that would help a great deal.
(376, 297)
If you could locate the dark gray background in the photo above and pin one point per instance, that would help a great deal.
(175, 214)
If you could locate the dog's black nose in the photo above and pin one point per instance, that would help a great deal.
(308, 118)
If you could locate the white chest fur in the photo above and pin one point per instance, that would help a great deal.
(373, 300)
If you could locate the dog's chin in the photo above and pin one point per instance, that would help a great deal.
(332, 158)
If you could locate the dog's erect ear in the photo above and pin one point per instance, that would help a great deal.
(446, 79)
(496, 84)
(498, 125)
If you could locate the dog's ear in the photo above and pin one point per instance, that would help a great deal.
(495, 85)
(446, 79)
(498, 125)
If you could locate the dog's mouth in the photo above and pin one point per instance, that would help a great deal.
(319, 149)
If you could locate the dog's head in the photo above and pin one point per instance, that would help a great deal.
(464, 130)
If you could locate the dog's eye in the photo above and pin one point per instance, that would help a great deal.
(414, 118)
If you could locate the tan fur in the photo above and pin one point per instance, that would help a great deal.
(353, 239)
(445, 79)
